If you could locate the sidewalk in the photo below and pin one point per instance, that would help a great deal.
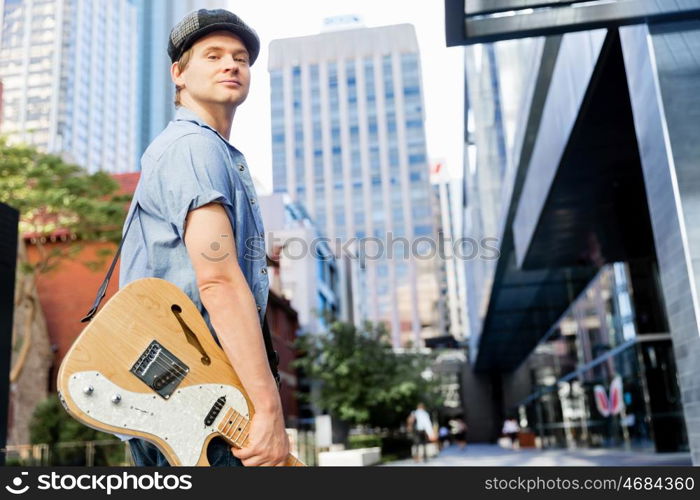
(492, 455)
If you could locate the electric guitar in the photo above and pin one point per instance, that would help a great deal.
(148, 367)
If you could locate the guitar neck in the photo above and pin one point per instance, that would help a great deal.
(236, 428)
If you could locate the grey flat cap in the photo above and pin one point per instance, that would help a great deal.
(201, 22)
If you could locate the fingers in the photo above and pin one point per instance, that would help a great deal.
(253, 457)
(244, 453)
(248, 456)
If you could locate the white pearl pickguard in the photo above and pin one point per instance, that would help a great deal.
(178, 420)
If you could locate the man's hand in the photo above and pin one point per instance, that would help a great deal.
(268, 443)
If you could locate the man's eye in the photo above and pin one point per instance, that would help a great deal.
(242, 60)
(212, 57)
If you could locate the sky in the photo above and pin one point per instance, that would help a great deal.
(443, 87)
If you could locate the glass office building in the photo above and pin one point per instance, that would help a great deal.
(348, 143)
(581, 159)
(69, 79)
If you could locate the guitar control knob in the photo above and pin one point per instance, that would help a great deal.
(116, 398)
(88, 390)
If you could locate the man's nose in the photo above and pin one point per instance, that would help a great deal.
(230, 63)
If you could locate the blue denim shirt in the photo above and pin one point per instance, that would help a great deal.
(187, 166)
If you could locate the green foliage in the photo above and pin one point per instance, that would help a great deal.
(364, 441)
(50, 424)
(363, 381)
(51, 194)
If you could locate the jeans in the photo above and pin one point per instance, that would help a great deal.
(146, 454)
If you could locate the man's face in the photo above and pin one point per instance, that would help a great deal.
(218, 71)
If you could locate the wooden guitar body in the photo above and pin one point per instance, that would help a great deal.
(147, 366)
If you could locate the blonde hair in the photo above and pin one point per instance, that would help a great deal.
(181, 66)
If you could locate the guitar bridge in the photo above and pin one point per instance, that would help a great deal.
(160, 369)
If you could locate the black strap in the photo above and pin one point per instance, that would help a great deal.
(272, 356)
(103, 288)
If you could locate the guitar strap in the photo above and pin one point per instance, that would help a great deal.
(272, 356)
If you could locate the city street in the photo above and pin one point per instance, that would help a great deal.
(486, 455)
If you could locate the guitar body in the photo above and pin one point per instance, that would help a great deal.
(148, 367)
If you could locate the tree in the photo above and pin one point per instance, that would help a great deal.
(363, 381)
(52, 195)
(53, 198)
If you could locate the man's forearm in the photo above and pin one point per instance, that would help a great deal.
(233, 315)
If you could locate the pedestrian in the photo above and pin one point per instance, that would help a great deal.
(421, 426)
(511, 430)
(443, 436)
(459, 432)
(198, 226)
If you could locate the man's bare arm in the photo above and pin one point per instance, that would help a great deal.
(232, 310)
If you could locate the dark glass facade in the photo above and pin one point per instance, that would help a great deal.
(596, 341)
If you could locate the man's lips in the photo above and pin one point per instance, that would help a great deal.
(231, 82)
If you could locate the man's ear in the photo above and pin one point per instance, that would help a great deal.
(176, 75)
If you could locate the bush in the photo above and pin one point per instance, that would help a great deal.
(363, 441)
(51, 424)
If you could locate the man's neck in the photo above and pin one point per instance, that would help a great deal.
(218, 117)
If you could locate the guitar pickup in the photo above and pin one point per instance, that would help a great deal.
(215, 410)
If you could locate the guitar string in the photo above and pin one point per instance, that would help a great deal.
(233, 421)
(242, 429)
(165, 365)
(174, 363)
(227, 417)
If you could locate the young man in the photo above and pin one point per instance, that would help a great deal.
(198, 224)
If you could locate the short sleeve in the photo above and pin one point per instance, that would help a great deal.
(192, 172)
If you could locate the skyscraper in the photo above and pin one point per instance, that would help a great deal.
(69, 73)
(156, 90)
(452, 303)
(582, 160)
(349, 144)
